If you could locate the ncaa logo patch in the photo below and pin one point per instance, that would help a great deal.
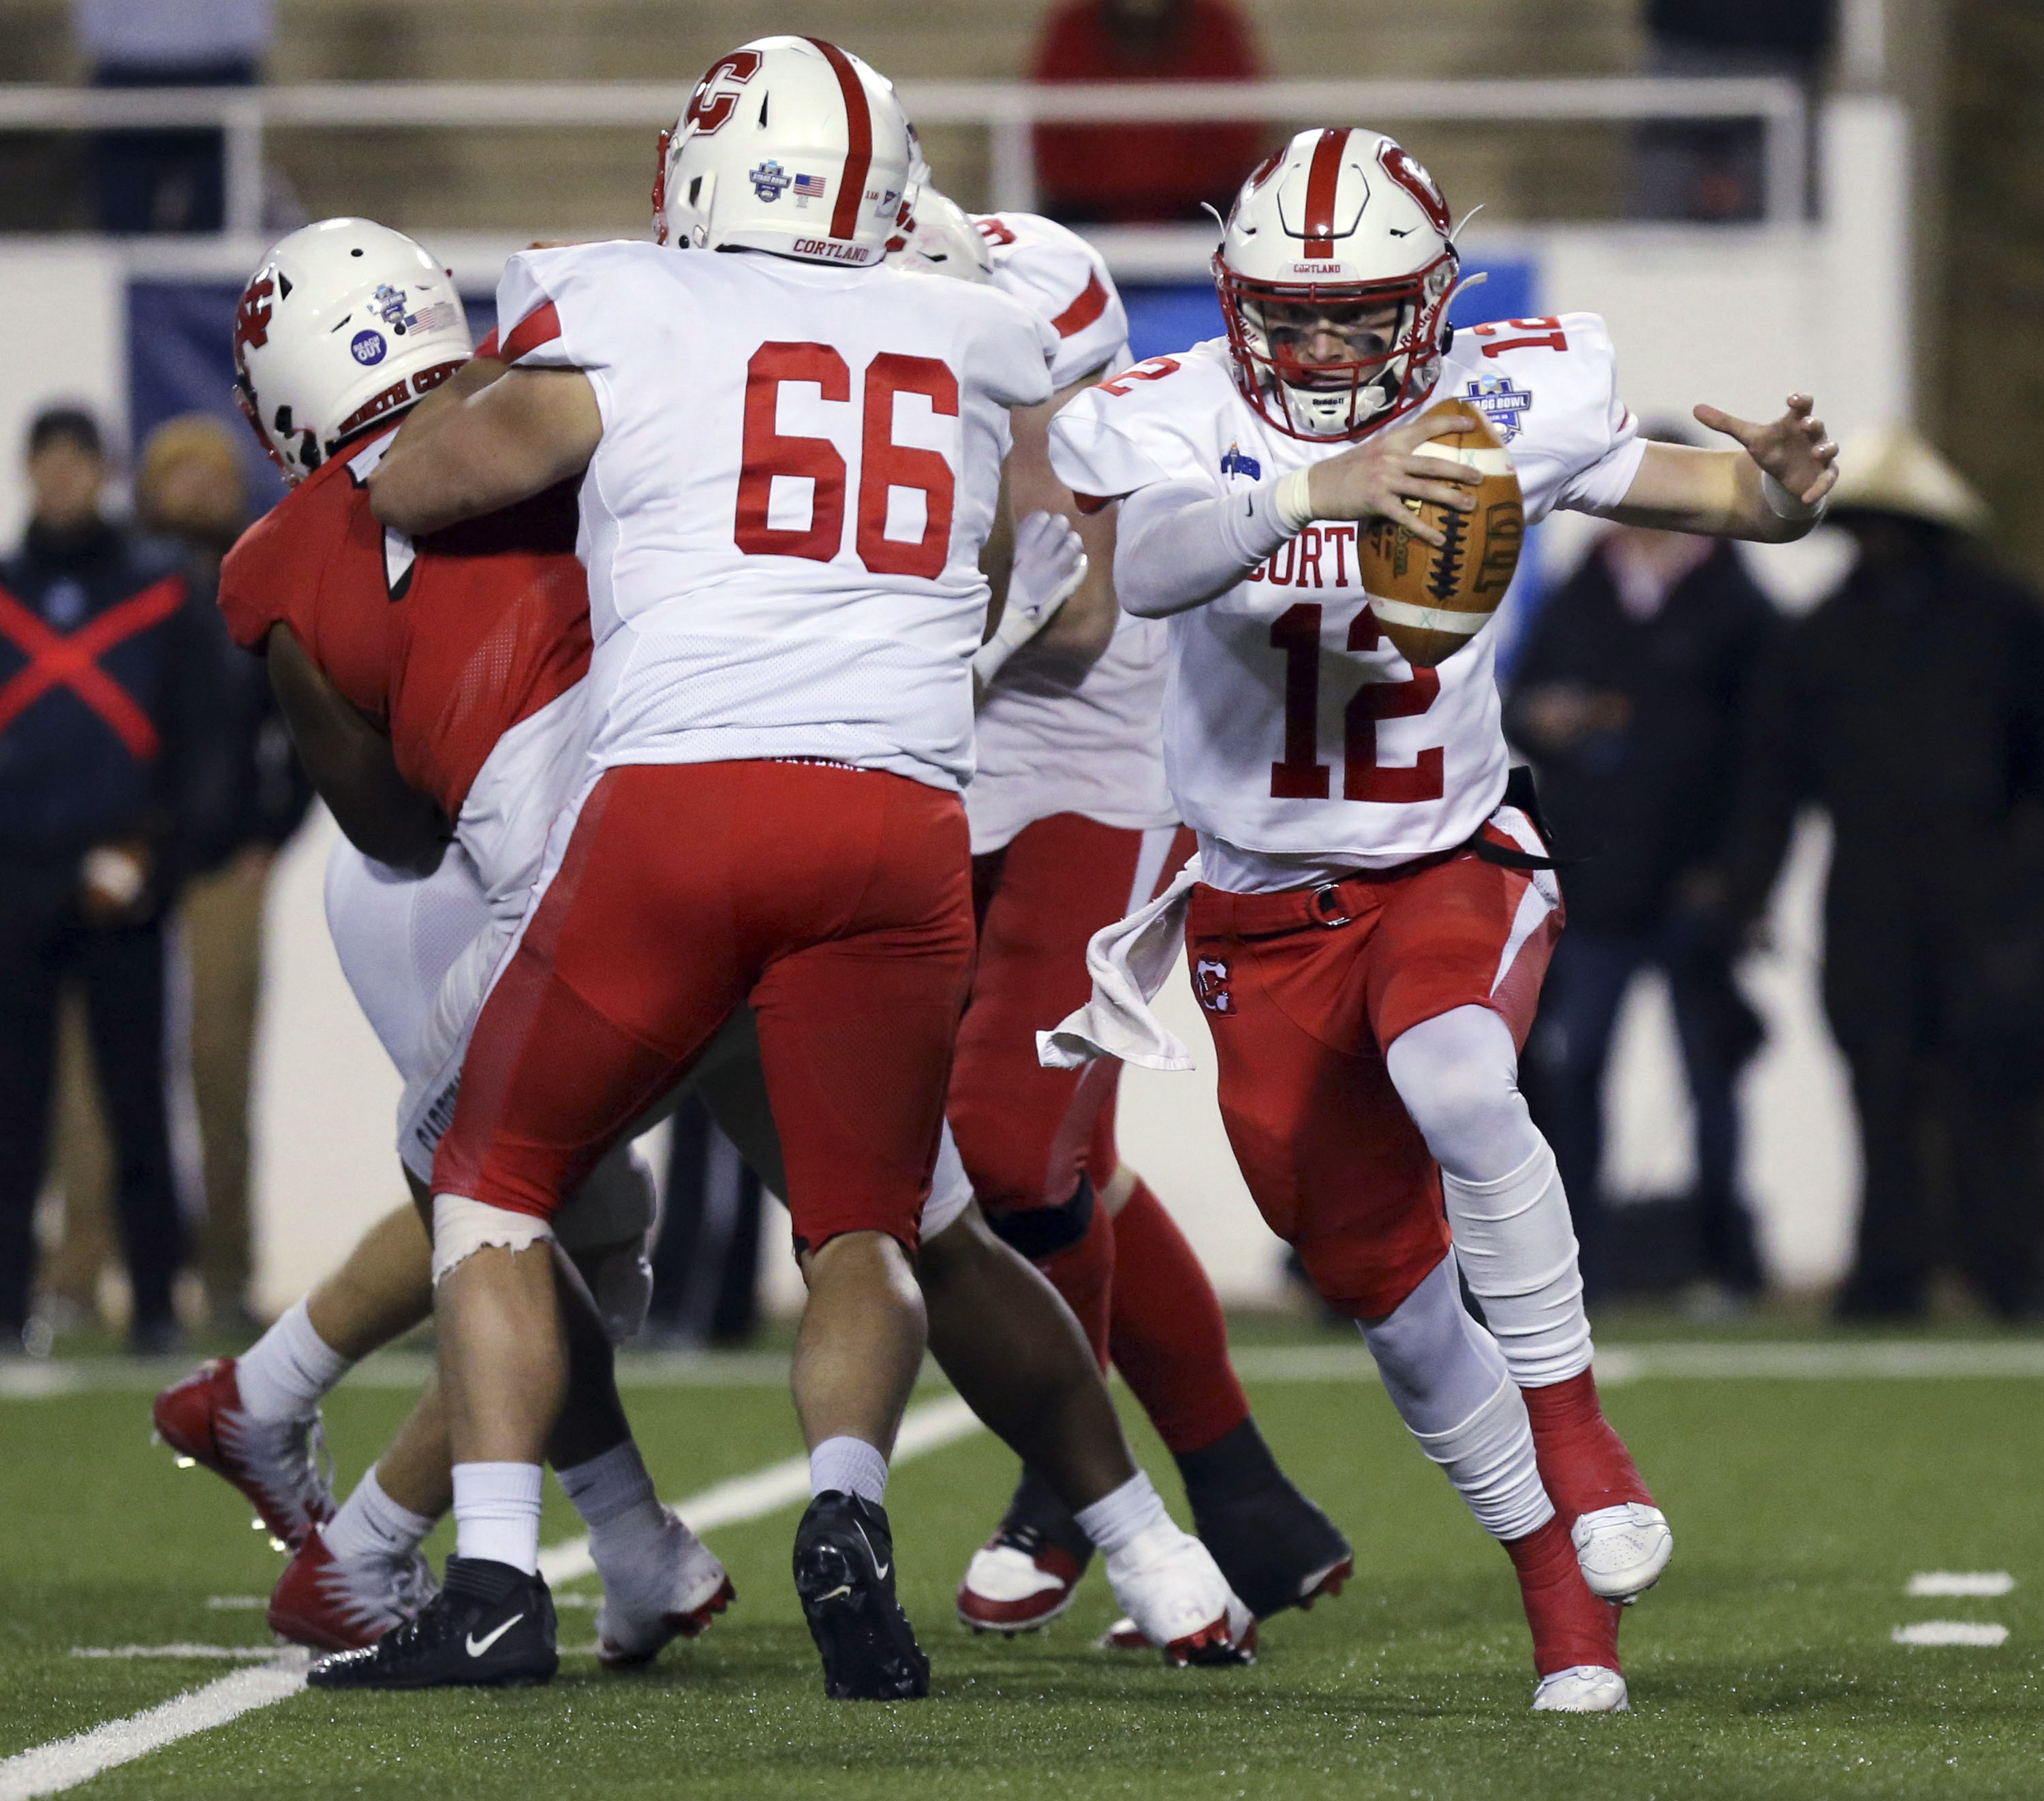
(1210, 985)
(770, 180)
(1235, 463)
(367, 348)
(1499, 401)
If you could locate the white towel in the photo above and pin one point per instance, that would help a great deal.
(1128, 962)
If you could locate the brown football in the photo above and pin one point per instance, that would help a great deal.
(1430, 602)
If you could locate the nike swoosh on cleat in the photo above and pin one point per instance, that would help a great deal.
(879, 1569)
(476, 1649)
(842, 1589)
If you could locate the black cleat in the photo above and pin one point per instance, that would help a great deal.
(844, 1574)
(490, 1626)
(1276, 1550)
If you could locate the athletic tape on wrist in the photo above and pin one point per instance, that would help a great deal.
(1294, 500)
(462, 1228)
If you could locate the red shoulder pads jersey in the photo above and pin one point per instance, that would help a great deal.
(447, 642)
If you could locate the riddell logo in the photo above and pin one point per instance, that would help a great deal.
(1210, 984)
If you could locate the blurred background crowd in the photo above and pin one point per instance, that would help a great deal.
(1680, 718)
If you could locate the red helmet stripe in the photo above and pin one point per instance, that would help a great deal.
(1323, 177)
(858, 129)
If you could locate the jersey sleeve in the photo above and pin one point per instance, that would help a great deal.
(261, 579)
(1125, 434)
(1011, 350)
(1060, 277)
(1599, 443)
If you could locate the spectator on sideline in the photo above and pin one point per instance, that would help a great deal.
(1627, 699)
(192, 488)
(168, 180)
(1910, 706)
(110, 789)
(1139, 174)
(1714, 172)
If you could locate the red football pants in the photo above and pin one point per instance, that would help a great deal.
(836, 900)
(1027, 1134)
(1303, 990)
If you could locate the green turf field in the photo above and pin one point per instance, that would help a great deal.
(1763, 1666)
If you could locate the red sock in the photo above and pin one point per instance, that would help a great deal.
(1169, 1340)
(1570, 1625)
(1583, 1463)
(1084, 1274)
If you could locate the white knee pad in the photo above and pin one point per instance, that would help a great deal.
(951, 1193)
(1517, 1248)
(1489, 1458)
(462, 1228)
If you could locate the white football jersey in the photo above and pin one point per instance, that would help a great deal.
(1096, 750)
(1298, 743)
(782, 522)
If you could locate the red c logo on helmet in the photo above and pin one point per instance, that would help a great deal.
(251, 318)
(707, 111)
(1412, 177)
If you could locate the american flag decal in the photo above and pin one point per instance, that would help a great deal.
(808, 187)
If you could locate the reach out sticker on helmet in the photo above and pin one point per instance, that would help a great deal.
(368, 348)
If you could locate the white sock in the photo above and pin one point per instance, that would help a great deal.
(615, 1498)
(1489, 1459)
(369, 1524)
(285, 1373)
(1123, 1514)
(850, 1465)
(496, 1513)
(1517, 1248)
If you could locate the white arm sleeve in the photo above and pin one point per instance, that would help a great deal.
(1178, 544)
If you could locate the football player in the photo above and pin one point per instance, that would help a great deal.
(1373, 917)
(788, 457)
(1073, 826)
(394, 619)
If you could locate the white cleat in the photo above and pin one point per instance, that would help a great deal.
(1587, 1688)
(674, 1595)
(1177, 1598)
(1623, 1549)
(1016, 1583)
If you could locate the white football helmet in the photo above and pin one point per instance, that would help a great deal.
(1330, 234)
(941, 240)
(787, 144)
(346, 322)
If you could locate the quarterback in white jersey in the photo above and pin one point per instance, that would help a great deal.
(1071, 826)
(1371, 921)
(788, 458)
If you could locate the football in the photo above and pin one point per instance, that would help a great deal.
(1430, 602)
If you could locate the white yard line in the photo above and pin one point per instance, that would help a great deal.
(1986, 1582)
(251, 1653)
(924, 1429)
(1950, 1632)
(1810, 1361)
(49, 1769)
